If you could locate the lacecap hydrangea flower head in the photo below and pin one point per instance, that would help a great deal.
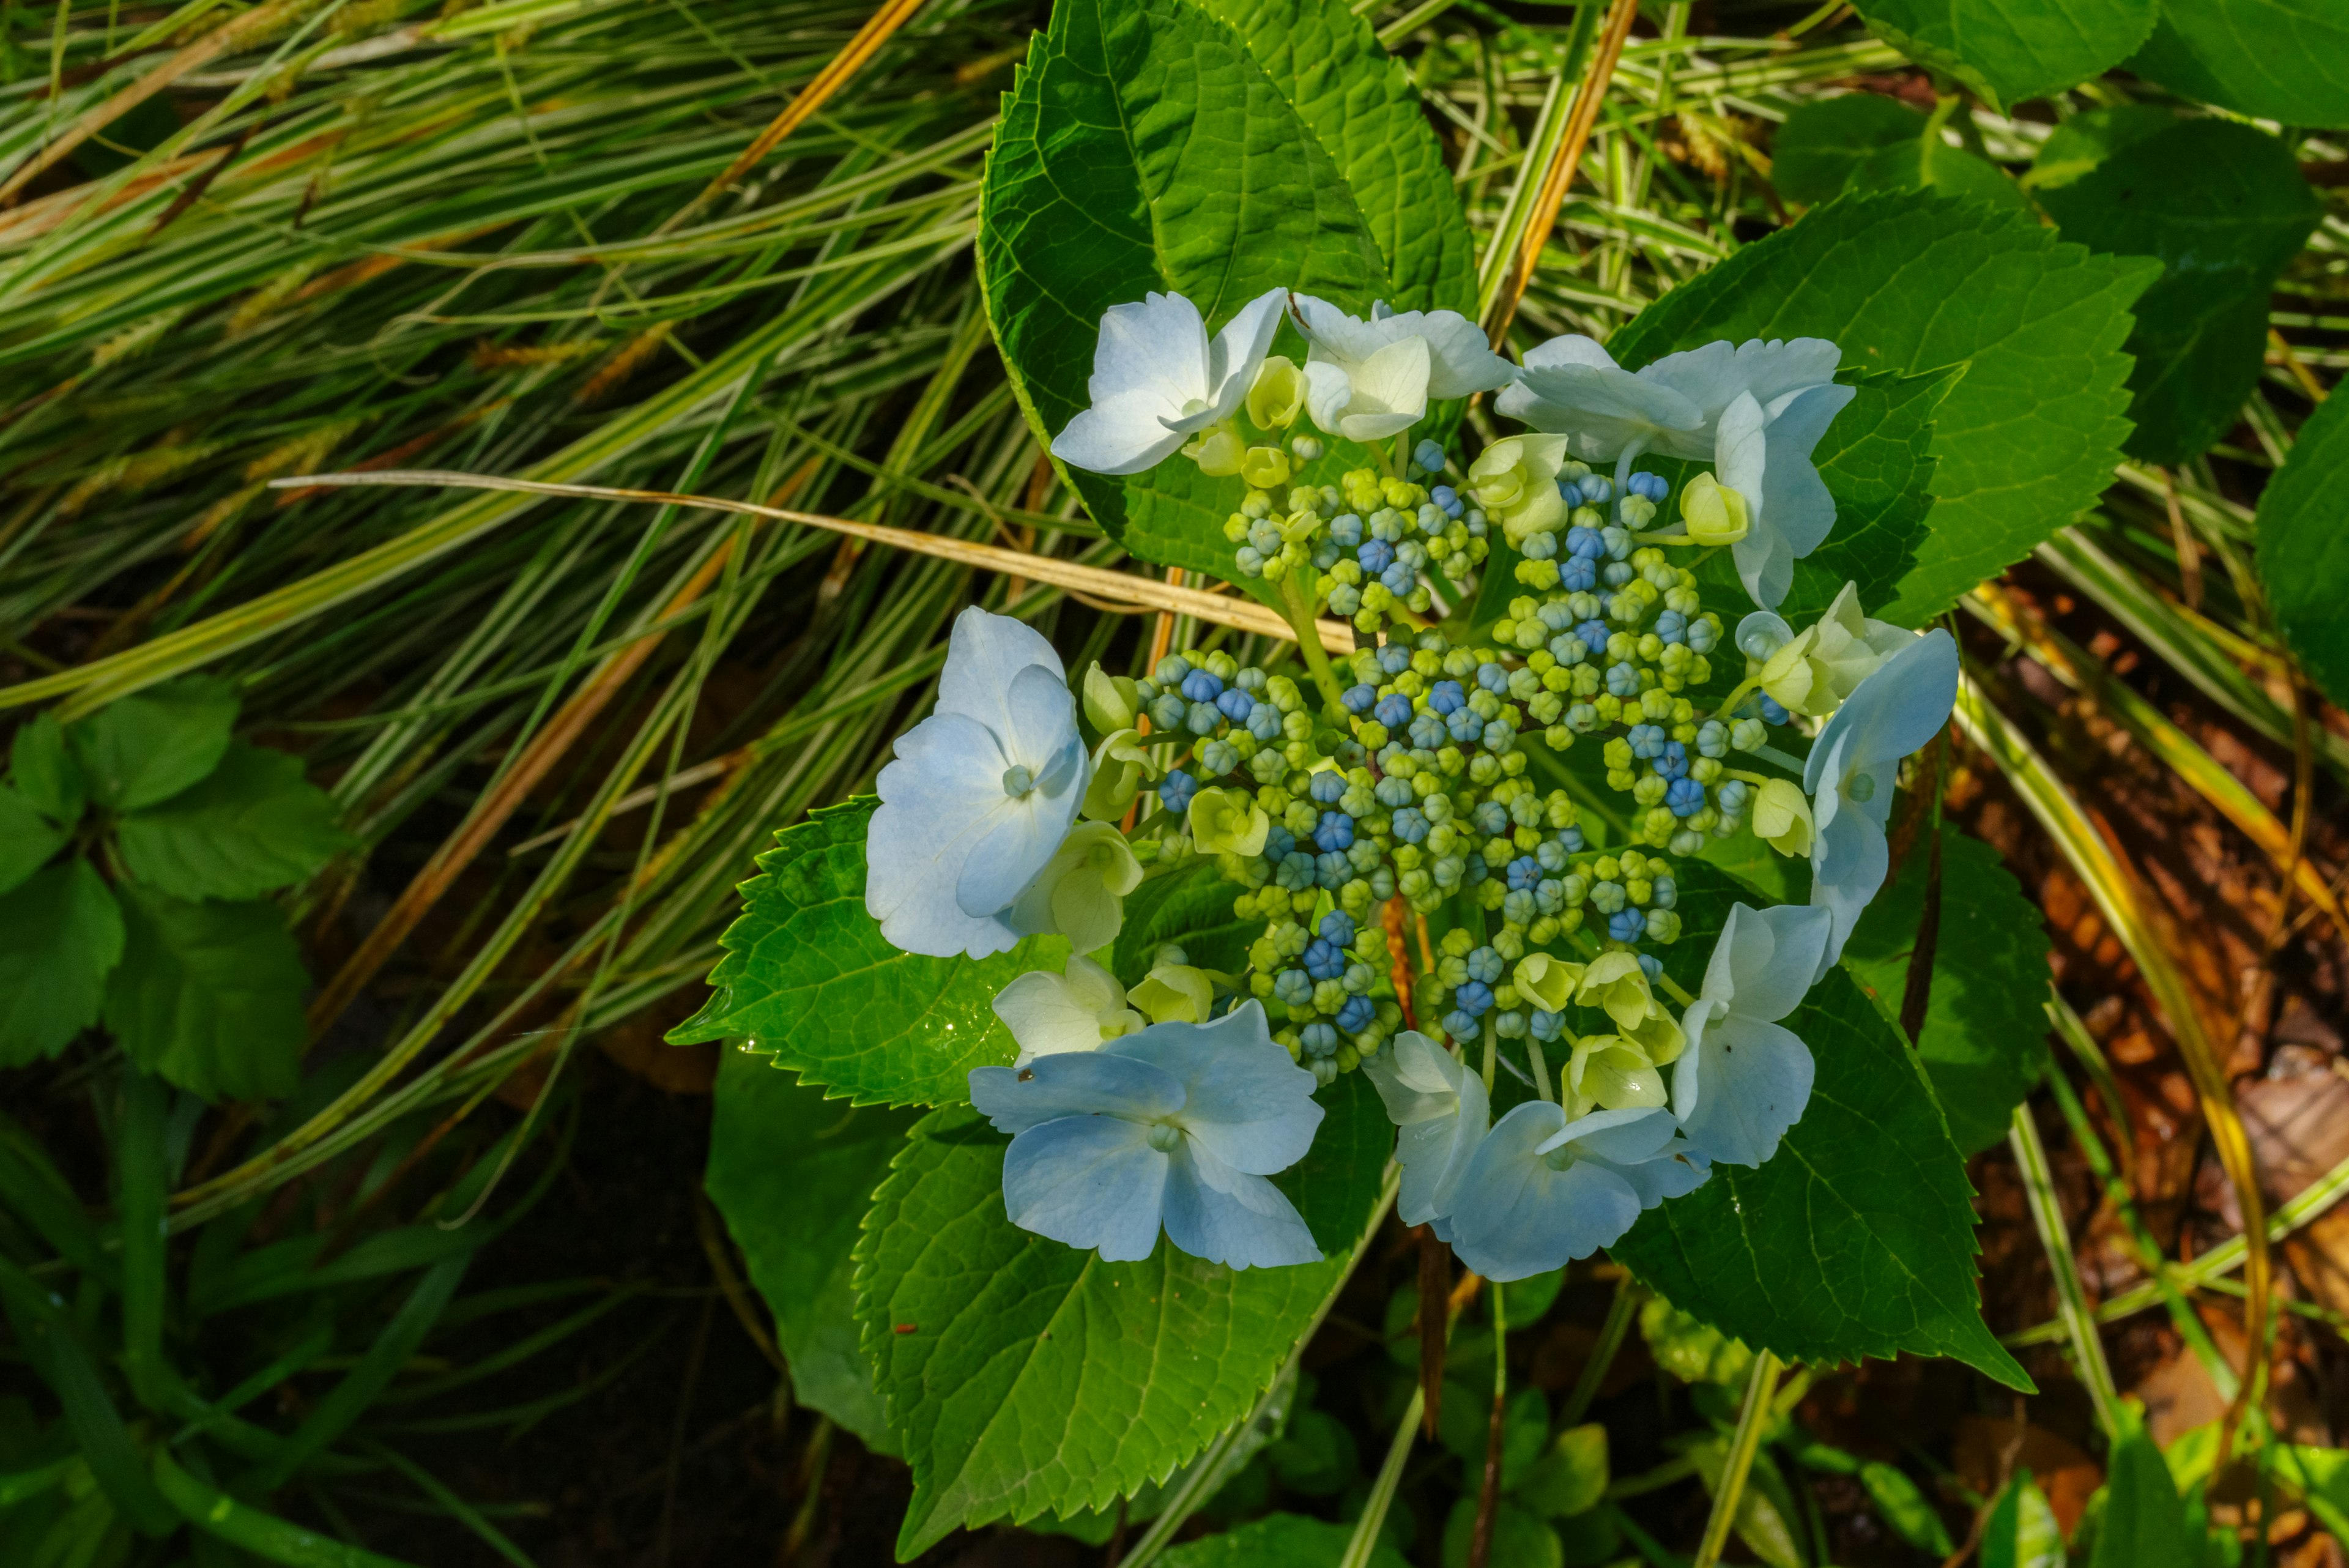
(1419, 907)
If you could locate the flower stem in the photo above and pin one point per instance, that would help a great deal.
(1743, 689)
(1365, 1538)
(1602, 1355)
(1300, 611)
(1492, 1053)
(1742, 1447)
(1541, 1068)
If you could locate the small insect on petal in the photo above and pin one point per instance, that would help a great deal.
(905, 1327)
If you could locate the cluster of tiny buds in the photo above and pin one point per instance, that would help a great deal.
(1358, 548)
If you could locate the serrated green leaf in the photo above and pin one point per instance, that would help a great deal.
(2014, 49)
(809, 979)
(1144, 147)
(60, 934)
(249, 826)
(1191, 908)
(2223, 207)
(1856, 1239)
(2286, 60)
(793, 1174)
(27, 839)
(1821, 143)
(1985, 1039)
(2304, 557)
(209, 995)
(2028, 436)
(144, 749)
(1023, 1377)
(1358, 100)
(40, 765)
(1278, 1541)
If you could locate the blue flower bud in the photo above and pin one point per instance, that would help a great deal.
(1489, 817)
(1166, 711)
(1293, 987)
(1445, 697)
(1277, 842)
(1296, 871)
(1493, 678)
(1427, 732)
(1647, 741)
(1617, 573)
(1476, 870)
(1569, 651)
(1622, 681)
(1593, 634)
(1525, 871)
(1170, 671)
(1399, 579)
(1332, 870)
(1375, 556)
(1619, 544)
(1545, 1025)
(1684, 796)
(1484, 964)
(1429, 456)
(1264, 535)
(1346, 529)
(1357, 1015)
(1460, 1025)
(1771, 712)
(1318, 1040)
(1596, 489)
(1672, 627)
(1474, 998)
(1175, 791)
(1466, 725)
(1673, 763)
(1236, 705)
(1395, 658)
(1218, 758)
(1325, 788)
(1627, 925)
(1338, 927)
(1650, 485)
(1572, 838)
(1712, 738)
(1202, 719)
(1392, 792)
(1358, 699)
(1410, 825)
(1264, 722)
(1250, 561)
(1667, 894)
(1334, 831)
(1324, 961)
(1393, 711)
(1702, 636)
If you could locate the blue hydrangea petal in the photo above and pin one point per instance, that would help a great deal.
(1516, 1215)
(1231, 1217)
(1740, 1084)
(1245, 1102)
(1075, 1084)
(1088, 1181)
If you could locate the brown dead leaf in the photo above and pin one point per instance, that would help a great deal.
(2063, 1472)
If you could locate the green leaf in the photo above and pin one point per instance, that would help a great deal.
(2304, 556)
(793, 1174)
(1023, 1377)
(2022, 1530)
(251, 826)
(2028, 436)
(1359, 101)
(1277, 1541)
(2014, 51)
(1464, 1422)
(2223, 207)
(1145, 146)
(209, 995)
(2286, 60)
(1823, 140)
(2143, 1523)
(27, 839)
(1905, 1508)
(1985, 1038)
(1570, 1477)
(1928, 163)
(2078, 144)
(808, 978)
(42, 768)
(60, 933)
(1857, 1236)
(148, 748)
(1191, 908)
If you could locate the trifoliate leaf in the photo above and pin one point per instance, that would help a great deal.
(2028, 436)
(2223, 207)
(209, 995)
(1022, 1376)
(793, 1174)
(60, 934)
(2012, 52)
(2286, 60)
(2304, 557)
(809, 979)
(251, 826)
(1145, 147)
(27, 839)
(1823, 140)
(1984, 1042)
(1857, 1236)
(149, 747)
(43, 770)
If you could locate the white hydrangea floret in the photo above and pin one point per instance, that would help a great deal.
(1366, 380)
(980, 796)
(1174, 1128)
(1542, 1190)
(1076, 1009)
(1158, 380)
(1440, 1111)
(1745, 1078)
